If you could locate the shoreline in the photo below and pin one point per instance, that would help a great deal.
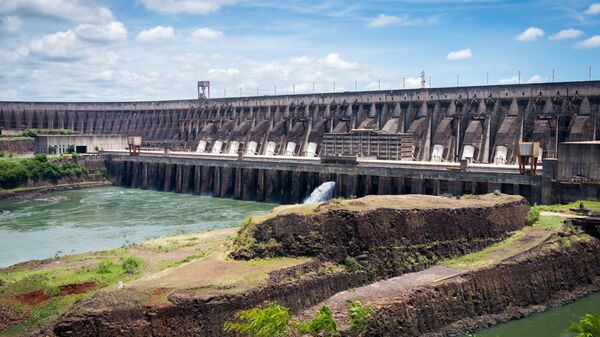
(30, 192)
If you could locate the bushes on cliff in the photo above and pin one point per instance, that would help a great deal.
(358, 315)
(322, 324)
(267, 320)
(14, 172)
(533, 215)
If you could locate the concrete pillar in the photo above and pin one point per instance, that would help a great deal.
(547, 190)
(492, 187)
(416, 186)
(385, 186)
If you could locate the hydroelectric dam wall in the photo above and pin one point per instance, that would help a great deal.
(480, 124)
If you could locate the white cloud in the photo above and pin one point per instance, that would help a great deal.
(113, 31)
(60, 45)
(509, 80)
(412, 82)
(333, 60)
(206, 34)
(156, 33)
(221, 72)
(530, 34)
(535, 79)
(566, 34)
(186, 6)
(11, 24)
(66, 10)
(593, 9)
(384, 20)
(463, 54)
(592, 42)
(302, 60)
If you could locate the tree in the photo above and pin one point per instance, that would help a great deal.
(588, 326)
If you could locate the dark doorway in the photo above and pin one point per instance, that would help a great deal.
(80, 149)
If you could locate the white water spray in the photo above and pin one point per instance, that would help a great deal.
(322, 193)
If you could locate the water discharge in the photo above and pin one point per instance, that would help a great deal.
(322, 193)
(104, 218)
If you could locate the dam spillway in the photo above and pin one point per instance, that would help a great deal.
(480, 124)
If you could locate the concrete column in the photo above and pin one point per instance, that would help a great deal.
(492, 187)
(385, 186)
(547, 190)
(416, 186)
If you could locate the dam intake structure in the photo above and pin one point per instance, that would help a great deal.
(432, 129)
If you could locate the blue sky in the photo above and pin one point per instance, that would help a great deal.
(104, 50)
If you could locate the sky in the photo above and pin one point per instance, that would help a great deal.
(113, 50)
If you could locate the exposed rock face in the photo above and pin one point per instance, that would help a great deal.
(385, 236)
(17, 146)
(488, 296)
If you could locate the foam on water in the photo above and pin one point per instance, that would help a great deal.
(321, 193)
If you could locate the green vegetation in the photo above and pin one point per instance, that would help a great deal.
(533, 215)
(267, 320)
(30, 133)
(352, 264)
(358, 314)
(131, 265)
(588, 326)
(36, 132)
(16, 171)
(566, 208)
(322, 324)
(105, 266)
(549, 222)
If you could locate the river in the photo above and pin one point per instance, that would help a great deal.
(104, 218)
(550, 323)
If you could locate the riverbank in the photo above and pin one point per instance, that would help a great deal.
(31, 192)
(189, 284)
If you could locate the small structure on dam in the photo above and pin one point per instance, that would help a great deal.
(80, 143)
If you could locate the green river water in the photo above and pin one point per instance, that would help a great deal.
(104, 218)
(550, 323)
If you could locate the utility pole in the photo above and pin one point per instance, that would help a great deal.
(355, 85)
(552, 75)
(457, 79)
(224, 92)
(333, 86)
(378, 84)
(257, 91)
(487, 78)
(430, 81)
(313, 87)
(590, 73)
(403, 82)
(519, 78)
(240, 91)
(275, 89)
(294, 89)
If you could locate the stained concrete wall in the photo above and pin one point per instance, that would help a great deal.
(91, 142)
(421, 109)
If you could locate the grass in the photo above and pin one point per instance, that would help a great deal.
(549, 222)
(11, 138)
(566, 208)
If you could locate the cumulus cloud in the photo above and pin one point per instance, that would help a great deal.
(302, 60)
(593, 9)
(592, 42)
(566, 34)
(60, 45)
(206, 34)
(113, 31)
(530, 34)
(463, 54)
(11, 24)
(333, 60)
(155, 34)
(186, 6)
(535, 79)
(66, 10)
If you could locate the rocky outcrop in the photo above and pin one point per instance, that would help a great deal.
(387, 237)
(17, 146)
(481, 298)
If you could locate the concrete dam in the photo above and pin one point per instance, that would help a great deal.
(278, 148)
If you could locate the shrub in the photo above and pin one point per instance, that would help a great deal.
(267, 320)
(358, 314)
(533, 215)
(352, 264)
(588, 326)
(105, 266)
(30, 133)
(40, 157)
(322, 324)
(131, 265)
(71, 149)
